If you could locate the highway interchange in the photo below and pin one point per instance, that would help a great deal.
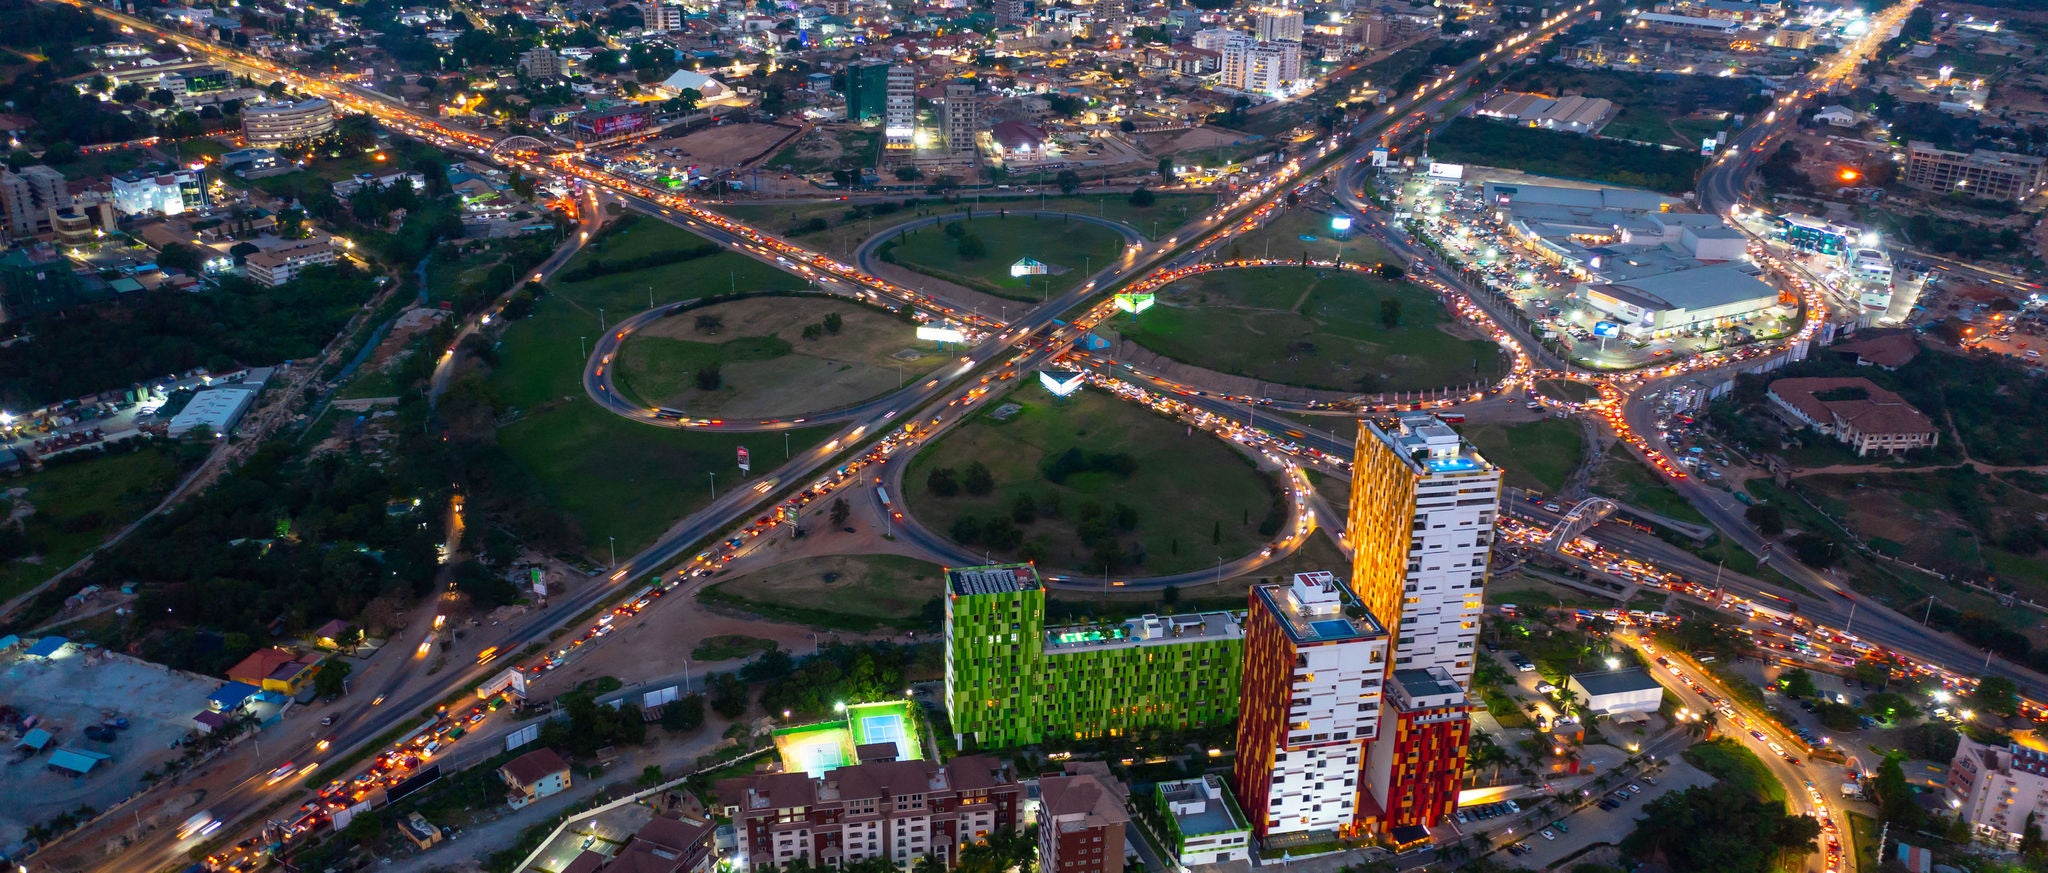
(929, 406)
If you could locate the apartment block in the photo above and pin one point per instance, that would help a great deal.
(1011, 681)
(1081, 823)
(1277, 23)
(541, 62)
(1997, 788)
(899, 810)
(1418, 764)
(271, 124)
(1422, 518)
(866, 86)
(899, 114)
(30, 198)
(960, 117)
(1315, 660)
(1979, 174)
(277, 266)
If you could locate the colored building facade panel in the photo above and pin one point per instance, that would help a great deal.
(993, 622)
(1431, 747)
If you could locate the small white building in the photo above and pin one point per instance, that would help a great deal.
(280, 265)
(1617, 692)
(1206, 825)
(216, 408)
(1836, 116)
(711, 90)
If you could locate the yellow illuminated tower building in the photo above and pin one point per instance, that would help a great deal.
(1423, 507)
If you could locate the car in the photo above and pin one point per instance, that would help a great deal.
(1635, 788)
(1561, 828)
(1461, 817)
(1610, 804)
(1548, 834)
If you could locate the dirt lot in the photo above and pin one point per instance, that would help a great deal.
(726, 146)
(871, 354)
(72, 692)
(1171, 142)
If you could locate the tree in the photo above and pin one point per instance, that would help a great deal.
(840, 511)
(1996, 695)
(1815, 550)
(291, 223)
(1069, 181)
(909, 173)
(684, 714)
(332, 680)
(1166, 176)
(651, 776)
(971, 247)
(1143, 197)
(181, 256)
(1769, 520)
(1719, 828)
(1797, 684)
(130, 92)
(1894, 796)
(709, 378)
(978, 481)
(942, 482)
(833, 322)
(1390, 313)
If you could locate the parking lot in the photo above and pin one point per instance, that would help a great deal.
(1597, 824)
(65, 695)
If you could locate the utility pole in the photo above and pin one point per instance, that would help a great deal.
(714, 485)
(615, 551)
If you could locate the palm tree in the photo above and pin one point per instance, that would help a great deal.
(1710, 721)
(1697, 729)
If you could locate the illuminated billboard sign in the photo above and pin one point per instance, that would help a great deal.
(1060, 382)
(1340, 223)
(1606, 329)
(1028, 267)
(615, 122)
(1441, 170)
(1134, 302)
(940, 333)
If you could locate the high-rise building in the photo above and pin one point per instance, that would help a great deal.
(171, 193)
(1268, 67)
(1277, 23)
(1418, 764)
(29, 198)
(1012, 13)
(1979, 174)
(1315, 660)
(1423, 503)
(1423, 507)
(960, 117)
(866, 87)
(662, 16)
(277, 123)
(541, 62)
(1011, 681)
(899, 113)
(1081, 824)
(1996, 789)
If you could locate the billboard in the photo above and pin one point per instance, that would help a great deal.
(1707, 146)
(525, 734)
(1441, 170)
(1134, 302)
(940, 333)
(513, 680)
(658, 697)
(425, 777)
(746, 460)
(1379, 157)
(611, 122)
(1340, 223)
(1606, 329)
(1060, 382)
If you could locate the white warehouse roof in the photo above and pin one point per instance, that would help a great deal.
(217, 408)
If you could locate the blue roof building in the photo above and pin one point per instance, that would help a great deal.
(231, 696)
(48, 647)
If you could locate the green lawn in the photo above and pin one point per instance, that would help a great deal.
(849, 225)
(1624, 478)
(1282, 238)
(767, 365)
(629, 479)
(1070, 248)
(1733, 763)
(1182, 522)
(540, 357)
(1538, 455)
(726, 647)
(846, 592)
(1567, 390)
(616, 477)
(79, 504)
(1316, 328)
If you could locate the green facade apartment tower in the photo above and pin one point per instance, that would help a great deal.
(1010, 681)
(866, 87)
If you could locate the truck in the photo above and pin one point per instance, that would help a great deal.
(1767, 612)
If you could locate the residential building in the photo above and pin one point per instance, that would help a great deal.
(1269, 68)
(278, 123)
(1617, 692)
(1418, 764)
(1315, 660)
(899, 112)
(535, 775)
(29, 198)
(662, 845)
(1853, 410)
(273, 267)
(171, 193)
(1277, 23)
(1979, 174)
(1011, 681)
(37, 281)
(866, 86)
(1423, 508)
(1203, 822)
(1081, 823)
(960, 117)
(662, 17)
(542, 63)
(1997, 789)
(1013, 13)
(274, 670)
(1422, 516)
(898, 810)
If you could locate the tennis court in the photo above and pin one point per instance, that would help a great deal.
(885, 723)
(815, 749)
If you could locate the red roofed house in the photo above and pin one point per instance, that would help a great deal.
(662, 845)
(534, 775)
(1855, 411)
(276, 670)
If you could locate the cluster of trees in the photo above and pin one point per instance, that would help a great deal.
(831, 323)
(146, 336)
(809, 687)
(1056, 468)
(977, 479)
(1719, 828)
(966, 243)
(1555, 153)
(599, 266)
